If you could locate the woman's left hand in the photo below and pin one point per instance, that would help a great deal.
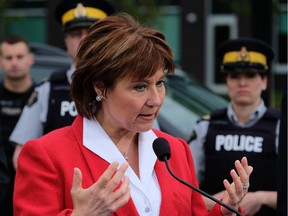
(236, 191)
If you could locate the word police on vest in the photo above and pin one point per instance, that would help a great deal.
(239, 143)
(67, 106)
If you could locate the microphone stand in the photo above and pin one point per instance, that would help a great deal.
(200, 191)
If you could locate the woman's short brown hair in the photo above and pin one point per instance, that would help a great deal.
(117, 47)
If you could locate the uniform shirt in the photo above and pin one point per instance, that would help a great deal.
(34, 115)
(200, 132)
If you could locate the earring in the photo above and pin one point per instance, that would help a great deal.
(98, 98)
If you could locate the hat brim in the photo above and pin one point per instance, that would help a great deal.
(76, 24)
(244, 66)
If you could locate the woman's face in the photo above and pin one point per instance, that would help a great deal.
(245, 89)
(132, 105)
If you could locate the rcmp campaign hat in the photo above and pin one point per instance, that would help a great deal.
(72, 14)
(245, 53)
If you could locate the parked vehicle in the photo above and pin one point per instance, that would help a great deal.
(185, 102)
(48, 59)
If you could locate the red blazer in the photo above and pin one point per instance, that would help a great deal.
(45, 172)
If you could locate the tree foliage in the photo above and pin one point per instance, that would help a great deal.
(4, 4)
(146, 11)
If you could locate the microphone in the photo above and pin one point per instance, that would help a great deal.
(162, 150)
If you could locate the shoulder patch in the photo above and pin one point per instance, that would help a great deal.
(32, 99)
(192, 137)
(204, 118)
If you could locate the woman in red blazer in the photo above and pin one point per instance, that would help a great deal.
(104, 164)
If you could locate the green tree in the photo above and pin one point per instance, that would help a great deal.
(146, 11)
(4, 4)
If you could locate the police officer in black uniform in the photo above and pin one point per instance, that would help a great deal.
(50, 106)
(4, 174)
(17, 85)
(245, 128)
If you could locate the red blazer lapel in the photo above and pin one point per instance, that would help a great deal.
(97, 166)
(166, 186)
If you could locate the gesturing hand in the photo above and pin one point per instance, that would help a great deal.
(236, 191)
(101, 198)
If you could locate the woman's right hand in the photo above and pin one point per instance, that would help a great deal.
(236, 191)
(101, 198)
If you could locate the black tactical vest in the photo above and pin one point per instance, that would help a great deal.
(11, 106)
(226, 143)
(61, 108)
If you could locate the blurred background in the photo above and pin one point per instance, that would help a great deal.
(193, 28)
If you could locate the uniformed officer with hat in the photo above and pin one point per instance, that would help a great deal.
(247, 54)
(73, 14)
(245, 128)
(50, 106)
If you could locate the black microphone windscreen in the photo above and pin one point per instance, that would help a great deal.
(161, 148)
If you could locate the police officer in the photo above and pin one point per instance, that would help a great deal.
(245, 128)
(17, 85)
(50, 106)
